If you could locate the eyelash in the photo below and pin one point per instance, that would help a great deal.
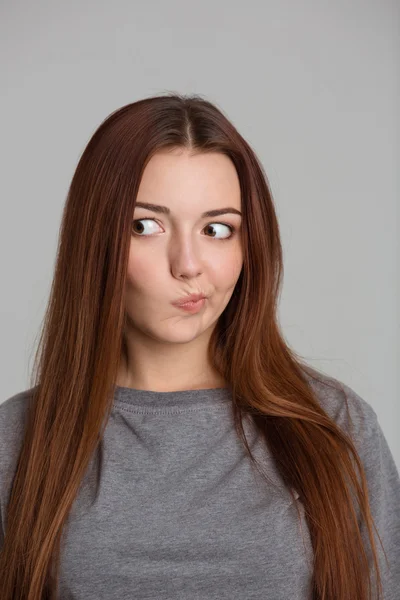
(233, 229)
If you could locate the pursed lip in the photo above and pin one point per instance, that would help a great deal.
(191, 298)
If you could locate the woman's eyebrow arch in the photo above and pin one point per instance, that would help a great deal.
(209, 213)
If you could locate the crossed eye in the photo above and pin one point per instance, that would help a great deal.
(209, 226)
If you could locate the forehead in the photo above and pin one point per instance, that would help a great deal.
(199, 181)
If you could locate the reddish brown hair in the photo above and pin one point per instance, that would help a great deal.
(81, 341)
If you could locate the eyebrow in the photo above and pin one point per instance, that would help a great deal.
(209, 213)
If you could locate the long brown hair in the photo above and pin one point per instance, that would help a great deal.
(76, 363)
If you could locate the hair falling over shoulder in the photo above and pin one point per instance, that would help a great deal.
(81, 340)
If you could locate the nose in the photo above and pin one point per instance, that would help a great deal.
(186, 260)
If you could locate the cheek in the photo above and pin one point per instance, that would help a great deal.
(140, 274)
(226, 268)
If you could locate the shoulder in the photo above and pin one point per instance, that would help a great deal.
(13, 412)
(350, 411)
(356, 417)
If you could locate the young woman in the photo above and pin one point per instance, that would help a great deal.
(172, 445)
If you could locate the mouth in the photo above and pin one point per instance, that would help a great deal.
(191, 299)
(192, 307)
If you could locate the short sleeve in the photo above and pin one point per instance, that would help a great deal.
(384, 495)
(356, 417)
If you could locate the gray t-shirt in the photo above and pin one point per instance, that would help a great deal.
(180, 513)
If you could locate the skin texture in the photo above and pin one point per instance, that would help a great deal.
(179, 254)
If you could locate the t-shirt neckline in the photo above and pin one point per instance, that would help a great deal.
(150, 400)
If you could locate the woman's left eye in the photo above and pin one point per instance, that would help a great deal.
(208, 227)
(212, 225)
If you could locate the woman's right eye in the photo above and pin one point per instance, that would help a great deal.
(141, 227)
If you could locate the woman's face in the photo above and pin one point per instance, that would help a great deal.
(179, 252)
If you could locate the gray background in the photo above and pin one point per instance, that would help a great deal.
(315, 89)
